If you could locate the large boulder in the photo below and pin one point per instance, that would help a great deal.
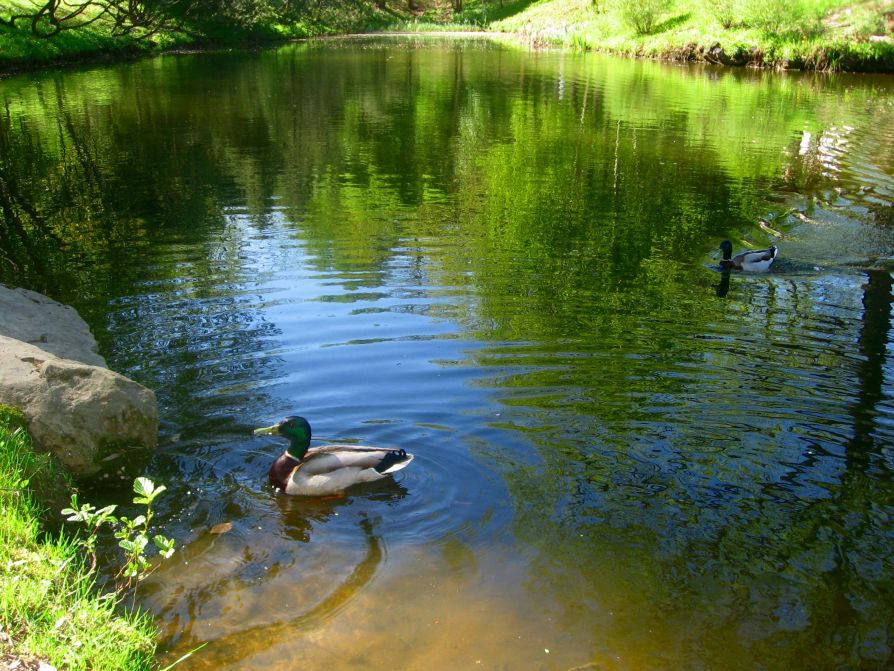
(56, 328)
(92, 419)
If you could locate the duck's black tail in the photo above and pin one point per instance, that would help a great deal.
(394, 461)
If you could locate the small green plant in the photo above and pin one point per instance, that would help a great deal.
(579, 42)
(781, 17)
(132, 534)
(50, 608)
(726, 12)
(642, 15)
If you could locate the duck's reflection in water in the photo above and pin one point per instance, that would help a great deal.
(266, 579)
(723, 286)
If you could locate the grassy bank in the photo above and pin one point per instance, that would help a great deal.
(806, 34)
(49, 608)
(20, 50)
(802, 34)
(90, 38)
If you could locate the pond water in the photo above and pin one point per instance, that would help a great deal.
(505, 262)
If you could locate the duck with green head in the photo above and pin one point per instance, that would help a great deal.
(756, 261)
(329, 469)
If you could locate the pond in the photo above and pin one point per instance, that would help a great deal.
(505, 262)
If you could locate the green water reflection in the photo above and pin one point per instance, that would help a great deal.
(504, 261)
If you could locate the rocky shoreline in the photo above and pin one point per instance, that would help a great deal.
(94, 421)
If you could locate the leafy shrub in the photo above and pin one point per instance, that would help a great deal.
(781, 17)
(49, 606)
(579, 42)
(726, 12)
(642, 15)
(865, 20)
(132, 534)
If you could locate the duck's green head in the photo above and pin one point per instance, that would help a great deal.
(296, 429)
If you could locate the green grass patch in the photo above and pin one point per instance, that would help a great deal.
(812, 34)
(412, 26)
(820, 34)
(19, 46)
(50, 609)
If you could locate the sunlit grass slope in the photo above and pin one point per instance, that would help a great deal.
(49, 609)
(20, 45)
(822, 34)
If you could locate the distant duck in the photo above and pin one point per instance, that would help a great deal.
(758, 261)
(329, 469)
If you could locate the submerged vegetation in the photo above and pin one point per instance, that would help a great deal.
(812, 34)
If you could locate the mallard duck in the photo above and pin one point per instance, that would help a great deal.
(330, 469)
(758, 261)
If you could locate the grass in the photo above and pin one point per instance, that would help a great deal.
(50, 609)
(810, 34)
(18, 46)
(807, 34)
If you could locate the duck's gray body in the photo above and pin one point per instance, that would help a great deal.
(757, 261)
(330, 469)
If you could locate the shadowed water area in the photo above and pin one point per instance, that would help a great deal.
(504, 262)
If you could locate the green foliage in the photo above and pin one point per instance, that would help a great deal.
(132, 534)
(773, 30)
(103, 26)
(864, 19)
(642, 15)
(48, 18)
(49, 605)
(12, 418)
(781, 17)
(40, 476)
(727, 12)
(820, 34)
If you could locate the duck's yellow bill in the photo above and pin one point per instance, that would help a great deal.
(267, 430)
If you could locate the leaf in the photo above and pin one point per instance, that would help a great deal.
(105, 514)
(165, 545)
(146, 491)
(135, 546)
(83, 514)
(143, 487)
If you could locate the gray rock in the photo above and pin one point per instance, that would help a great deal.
(56, 328)
(92, 419)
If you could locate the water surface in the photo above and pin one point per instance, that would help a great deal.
(505, 262)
